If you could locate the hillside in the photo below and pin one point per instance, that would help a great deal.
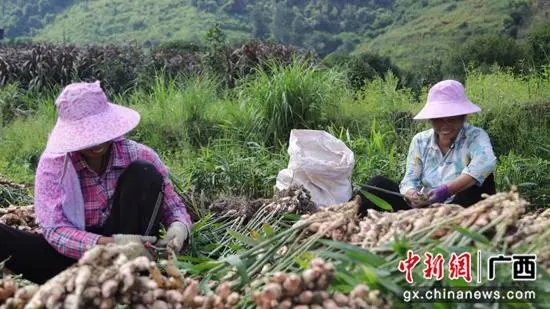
(442, 27)
(403, 29)
(439, 26)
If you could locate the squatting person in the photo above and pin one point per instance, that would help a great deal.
(453, 162)
(94, 186)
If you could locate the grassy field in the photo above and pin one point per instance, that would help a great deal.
(219, 142)
(234, 141)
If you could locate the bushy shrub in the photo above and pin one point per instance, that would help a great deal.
(41, 66)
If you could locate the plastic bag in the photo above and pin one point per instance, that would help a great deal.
(321, 163)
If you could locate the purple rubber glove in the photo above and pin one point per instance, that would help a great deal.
(439, 194)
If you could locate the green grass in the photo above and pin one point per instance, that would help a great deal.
(235, 141)
(437, 29)
(294, 97)
(24, 139)
(219, 142)
(177, 115)
(124, 21)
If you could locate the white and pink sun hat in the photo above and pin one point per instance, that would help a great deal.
(86, 118)
(447, 99)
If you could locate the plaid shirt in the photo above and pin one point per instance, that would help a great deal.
(96, 192)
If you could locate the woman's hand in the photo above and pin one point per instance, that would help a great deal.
(103, 240)
(416, 198)
(442, 193)
(177, 234)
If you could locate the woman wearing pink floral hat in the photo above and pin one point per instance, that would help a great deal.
(94, 186)
(453, 162)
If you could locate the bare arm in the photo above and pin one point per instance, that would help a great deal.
(461, 183)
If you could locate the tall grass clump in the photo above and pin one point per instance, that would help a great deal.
(296, 96)
(377, 155)
(11, 104)
(529, 174)
(383, 103)
(23, 140)
(228, 168)
(514, 111)
(176, 115)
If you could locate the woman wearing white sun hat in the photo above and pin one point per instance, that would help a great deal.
(453, 162)
(94, 186)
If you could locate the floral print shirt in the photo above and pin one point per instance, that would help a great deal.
(427, 167)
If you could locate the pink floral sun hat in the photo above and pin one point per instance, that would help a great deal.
(446, 99)
(86, 118)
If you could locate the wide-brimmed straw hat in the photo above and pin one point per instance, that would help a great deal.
(447, 99)
(86, 118)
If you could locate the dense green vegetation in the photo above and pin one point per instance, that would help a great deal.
(221, 140)
(122, 67)
(408, 31)
(220, 117)
(232, 140)
(208, 107)
(220, 114)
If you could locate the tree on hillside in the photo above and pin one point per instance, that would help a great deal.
(363, 67)
(520, 11)
(21, 18)
(538, 43)
(282, 19)
(260, 22)
(299, 28)
(485, 51)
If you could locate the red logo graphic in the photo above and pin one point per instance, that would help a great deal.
(434, 266)
(460, 266)
(408, 264)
